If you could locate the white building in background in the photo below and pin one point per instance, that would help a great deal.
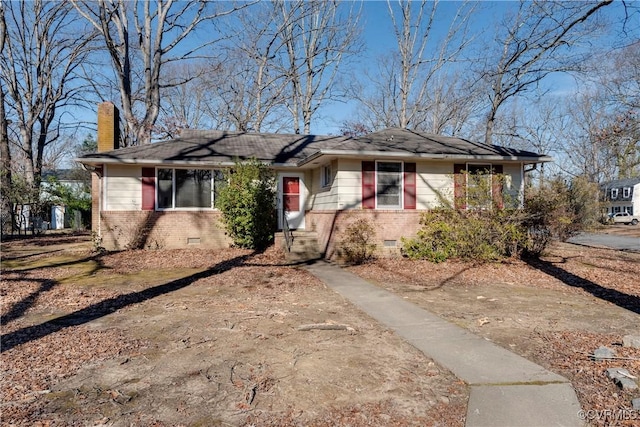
(61, 217)
(622, 195)
(57, 217)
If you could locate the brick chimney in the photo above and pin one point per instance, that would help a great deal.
(108, 127)
(108, 137)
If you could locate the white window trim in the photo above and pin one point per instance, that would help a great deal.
(614, 193)
(400, 206)
(626, 192)
(326, 176)
(173, 192)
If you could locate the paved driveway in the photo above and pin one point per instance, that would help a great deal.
(624, 243)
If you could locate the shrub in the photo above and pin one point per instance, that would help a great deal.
(585, 201)
(555, 210)
(248, 204)
(356, 245)
(563, 209)
(436, 239)
(471, 235)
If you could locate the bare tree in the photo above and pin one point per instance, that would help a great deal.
(543, 126)
(250, 85)
(5, 152)
(417, 85)
(317, 36)
(621, 137)
(185, 105)
(620, 81)
(43, 49)
(603, 129)
(539, 40)
(584, 153)
(141, 38)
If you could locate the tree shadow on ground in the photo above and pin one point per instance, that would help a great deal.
(46, 285)
(25, 256)
(20, 307)
(621, 299)
(111, 305)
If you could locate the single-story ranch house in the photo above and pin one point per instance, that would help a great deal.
(163, 194)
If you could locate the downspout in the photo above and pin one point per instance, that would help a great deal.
(524, 171)
(99, 172)
(100, 207)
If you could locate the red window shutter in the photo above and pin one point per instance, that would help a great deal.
(496, 185)
(368, 185)
(459, 186)
(409, 185)
(148, 189)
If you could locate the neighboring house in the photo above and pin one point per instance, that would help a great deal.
(76, 180)
(622, 195)
(163, 194)
(55, 216)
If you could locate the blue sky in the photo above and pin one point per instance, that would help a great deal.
(378, 37)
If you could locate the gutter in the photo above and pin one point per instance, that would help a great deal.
(94, 161)
(398, 154)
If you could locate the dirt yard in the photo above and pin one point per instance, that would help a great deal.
(554, 311)
(171, 338)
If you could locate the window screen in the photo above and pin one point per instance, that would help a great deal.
(389, 185)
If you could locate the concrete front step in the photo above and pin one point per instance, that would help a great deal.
(304, 246)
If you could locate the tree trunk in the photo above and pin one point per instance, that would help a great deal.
(6, 205)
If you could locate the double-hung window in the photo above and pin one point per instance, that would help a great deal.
(389, 185)
(187, 188)
(626, 192)
(326, 178)
(479, 188)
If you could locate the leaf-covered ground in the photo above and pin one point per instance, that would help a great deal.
(555, 311)
(196, 337)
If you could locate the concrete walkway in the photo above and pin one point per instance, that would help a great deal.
(505, 389)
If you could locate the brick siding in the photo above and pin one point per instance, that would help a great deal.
(162, 230)
(391, 226)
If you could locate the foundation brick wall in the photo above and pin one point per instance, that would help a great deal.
(162, 230)
(391, 225)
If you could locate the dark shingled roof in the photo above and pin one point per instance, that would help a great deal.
(221, 147)
(621, 183)
(425, 144)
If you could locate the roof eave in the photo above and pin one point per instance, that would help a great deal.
(424, 156)
(95, 161)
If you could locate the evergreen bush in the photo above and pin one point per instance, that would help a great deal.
(248, 204)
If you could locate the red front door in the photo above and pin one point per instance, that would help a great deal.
(291, 188)
(291, 193)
